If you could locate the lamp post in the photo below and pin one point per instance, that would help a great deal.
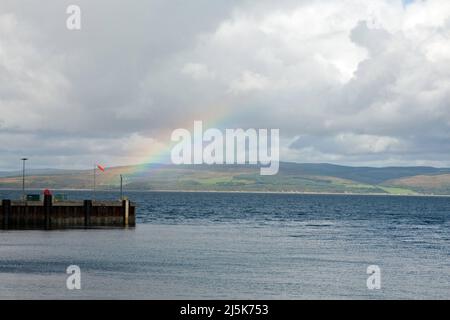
(23, 177)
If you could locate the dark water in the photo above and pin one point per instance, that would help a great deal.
(217, 245)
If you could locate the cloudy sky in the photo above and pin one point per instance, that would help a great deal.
(356, 82)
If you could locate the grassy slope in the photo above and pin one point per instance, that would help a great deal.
(437, 184)
(291, 178)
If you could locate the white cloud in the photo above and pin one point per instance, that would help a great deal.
(32, 86)
(365, 81)
(197, 71)
(249, 81)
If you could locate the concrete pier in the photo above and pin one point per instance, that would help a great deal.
(50, 215)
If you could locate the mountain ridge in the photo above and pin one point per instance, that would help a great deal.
(292, 177)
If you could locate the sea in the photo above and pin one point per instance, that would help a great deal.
(240, 246)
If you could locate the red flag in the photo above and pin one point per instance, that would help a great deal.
(102, 168)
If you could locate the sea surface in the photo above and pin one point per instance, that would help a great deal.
(240, 246)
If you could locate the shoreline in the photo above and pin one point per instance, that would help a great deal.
(248, 192)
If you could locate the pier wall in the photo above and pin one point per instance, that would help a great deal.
(49, 215)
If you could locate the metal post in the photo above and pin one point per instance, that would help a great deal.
(126, 211)
(6, 204)
(87, 204)
(23, 178)
(48, 204)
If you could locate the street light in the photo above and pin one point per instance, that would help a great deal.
(23, 177)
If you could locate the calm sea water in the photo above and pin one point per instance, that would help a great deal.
(246, 246)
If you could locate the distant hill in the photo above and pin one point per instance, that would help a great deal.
(36, 172)
(292, 177)
(369, 175)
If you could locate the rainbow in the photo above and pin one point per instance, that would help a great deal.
(159, 156)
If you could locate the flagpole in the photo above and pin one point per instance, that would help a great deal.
(95, 173)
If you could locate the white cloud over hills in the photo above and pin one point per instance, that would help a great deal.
(351, 82)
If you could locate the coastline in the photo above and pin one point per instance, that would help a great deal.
(248, 192)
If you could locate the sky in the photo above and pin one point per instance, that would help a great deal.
(352, 82)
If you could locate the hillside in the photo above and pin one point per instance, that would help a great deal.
(292, 177)
(438, 184)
